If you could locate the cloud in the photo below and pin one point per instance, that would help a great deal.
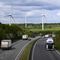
(58, 14)
(18, 9)
(41, 4)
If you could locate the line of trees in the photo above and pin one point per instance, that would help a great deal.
(47, 25)
(10, 32)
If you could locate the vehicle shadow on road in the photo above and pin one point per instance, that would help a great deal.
(12, 48)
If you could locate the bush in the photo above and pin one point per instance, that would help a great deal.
(10, 32)
(57, 40)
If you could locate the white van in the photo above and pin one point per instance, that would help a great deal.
(6, 43)
(24, 37)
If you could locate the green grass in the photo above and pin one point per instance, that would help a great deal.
(57, 44)
(48, 29)
(57, 41)
(27, 50)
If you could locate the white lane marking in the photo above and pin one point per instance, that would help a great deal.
(17, 57)
(58, 52)
(16, 42)
(33, 50)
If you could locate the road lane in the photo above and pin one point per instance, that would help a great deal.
(16, 48)
(12, 53)
(40, 53)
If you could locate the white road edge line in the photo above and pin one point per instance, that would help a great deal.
(33, 50)
(58, 52)
(17, 57)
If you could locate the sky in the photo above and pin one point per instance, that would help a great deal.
(29, 11)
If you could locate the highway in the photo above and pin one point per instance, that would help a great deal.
(40, 53)
(14, 51)
(12, 54)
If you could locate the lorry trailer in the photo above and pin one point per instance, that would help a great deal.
(6, 44)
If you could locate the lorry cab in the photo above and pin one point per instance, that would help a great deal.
(25, 37)
(50, 44)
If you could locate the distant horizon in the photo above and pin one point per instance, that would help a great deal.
(30, 23)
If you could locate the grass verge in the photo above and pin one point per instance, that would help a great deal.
(27, 51)
(57, 41)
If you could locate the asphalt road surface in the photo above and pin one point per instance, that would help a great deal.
(13, 52)
(40, 53)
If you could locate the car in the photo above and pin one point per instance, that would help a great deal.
(53, 35)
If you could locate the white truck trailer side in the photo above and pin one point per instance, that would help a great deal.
(6, 43)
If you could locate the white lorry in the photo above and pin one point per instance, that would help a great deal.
(24, 37)
(50, 44)
(6, 44)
